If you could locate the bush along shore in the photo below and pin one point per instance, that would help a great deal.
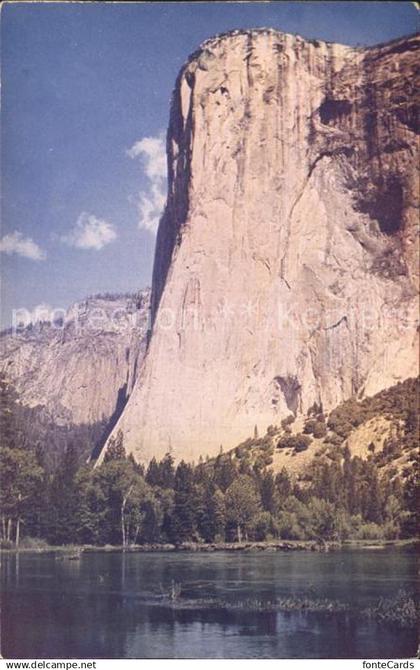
(76, 551)
(73, 552)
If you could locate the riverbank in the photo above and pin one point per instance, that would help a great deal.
(73, 552)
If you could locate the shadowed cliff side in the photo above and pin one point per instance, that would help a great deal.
(73, 371)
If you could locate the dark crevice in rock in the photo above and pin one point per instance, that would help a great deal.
(180, 134)
(384, 201)
(338, 151)
(291, 390)
(409, 117)
(119, 407)
(396, 145)
(335, 325)
(334, 110)
(390, 264)
(370, 121)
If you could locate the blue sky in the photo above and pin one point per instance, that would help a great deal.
(85, 97)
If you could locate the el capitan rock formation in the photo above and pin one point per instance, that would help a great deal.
(286, 260)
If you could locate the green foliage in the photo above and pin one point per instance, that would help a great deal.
(115, 451)
(161, 474)
(287, 422)
(297, 442)
(262, 460)
(224, 471)
(269, 493)
(283, 484)
(63, 499)
(315, 409)
(121, 493)
(324, 520)
(115, 295)
(316, 428)
(369, 531)
(242, 503)
(21, 479)
(400, 402)
(262, 526)
(410, 501)
(184, 522)
(242, 451)
(402, 609)
(35, 428)
(34, 543)
(21, 474)
(288, 527)
(232, 496)
(335, 440)
(211, 513)
(6, 544)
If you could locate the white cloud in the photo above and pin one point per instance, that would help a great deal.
(15, 243)
(150, 202)
(89, 232)
(154, 152)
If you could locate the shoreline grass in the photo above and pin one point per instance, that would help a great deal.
(402, 610)
(279, 545)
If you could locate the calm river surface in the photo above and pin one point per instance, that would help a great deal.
(111, 605)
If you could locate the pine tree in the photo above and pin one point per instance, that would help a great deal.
(116, 450)
(218, 515)
(184, 504)
(269, 493)
(242, 503)
(210, 512)
(91, 508)
(62, 521)
(411, 500)
(153, 473)
(122, 490)
(224, 472)
(152, 519)
(283, 484)
(373, 502)
(21, 475)
(167, 472)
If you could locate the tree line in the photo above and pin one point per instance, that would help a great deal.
(121, 502)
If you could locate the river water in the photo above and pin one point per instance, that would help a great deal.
(114, 605)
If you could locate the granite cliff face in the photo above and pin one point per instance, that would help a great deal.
(80, 368)
(286, 261)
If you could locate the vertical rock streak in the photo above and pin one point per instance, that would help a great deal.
(285, 266)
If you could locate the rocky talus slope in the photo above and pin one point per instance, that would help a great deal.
(383, 429)
(81, 368)
(286, 263)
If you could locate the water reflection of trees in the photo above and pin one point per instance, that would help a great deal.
(114, 606)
